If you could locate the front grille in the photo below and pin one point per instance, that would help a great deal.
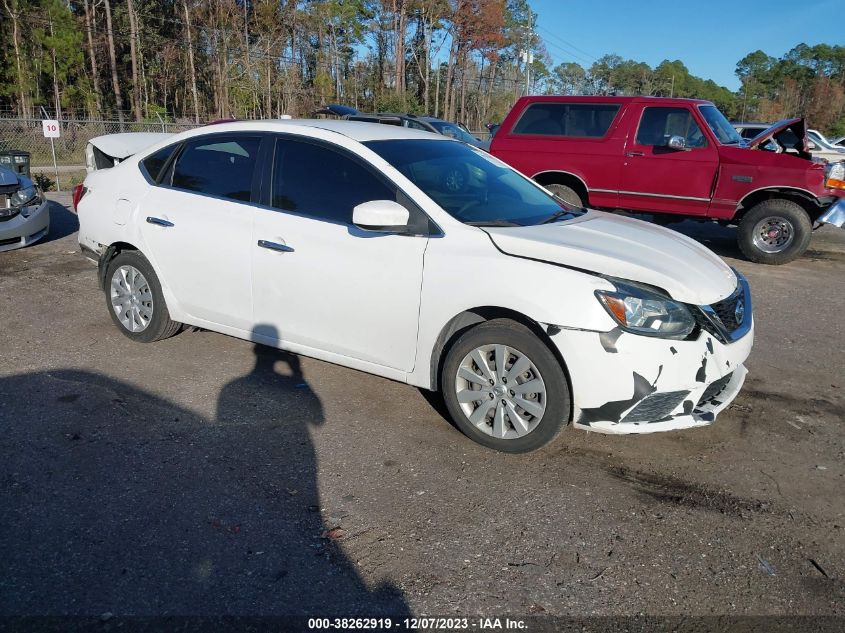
(726, 311)
(720, 319)
(13, 240)
(714, 389)
(656, 406)
(707, 325)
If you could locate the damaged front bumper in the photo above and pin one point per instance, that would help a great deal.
(20, 230)
(834, 215)
(639, 384)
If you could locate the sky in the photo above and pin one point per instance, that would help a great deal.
(709, 37)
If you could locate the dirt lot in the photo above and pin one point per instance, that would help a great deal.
(200, 475)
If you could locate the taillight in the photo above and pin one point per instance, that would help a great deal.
(78, 192)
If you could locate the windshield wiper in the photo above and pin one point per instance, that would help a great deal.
(557, 215)
(493, 223)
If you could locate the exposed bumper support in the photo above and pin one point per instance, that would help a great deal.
(835, 215)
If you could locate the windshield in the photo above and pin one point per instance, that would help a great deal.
(453, 131)
(470, 185)
(720, 126)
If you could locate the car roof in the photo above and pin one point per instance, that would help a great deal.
(360, 131)
(613, 99)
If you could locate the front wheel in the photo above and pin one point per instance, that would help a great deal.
(504, 388)
(774, 231)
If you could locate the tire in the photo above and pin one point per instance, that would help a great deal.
(550, 405)
(567, 194)
(774, 231)
(135, 301)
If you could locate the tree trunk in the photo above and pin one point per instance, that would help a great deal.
(133, 54)
(92, 57)
(57, 95)
(191, 67)
(118, 98)
(400, 27)
(450, 70)
(15, 15)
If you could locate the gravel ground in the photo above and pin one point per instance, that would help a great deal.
(201, 475)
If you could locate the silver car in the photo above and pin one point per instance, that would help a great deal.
(24, 212)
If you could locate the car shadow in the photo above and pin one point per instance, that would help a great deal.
(116, 500)
(719, 239)
(62, 222)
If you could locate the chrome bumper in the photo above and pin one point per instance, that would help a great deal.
(835, 214)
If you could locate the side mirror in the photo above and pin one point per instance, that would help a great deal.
(677, 143)
(381, 216)
(811, 146)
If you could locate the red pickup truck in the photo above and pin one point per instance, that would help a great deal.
(681, 157)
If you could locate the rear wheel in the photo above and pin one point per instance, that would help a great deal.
(774, 231)
(504, 388)
(567, 194)
(135, 301)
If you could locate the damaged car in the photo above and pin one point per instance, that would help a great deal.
(346, 242)
(24, 211)
(104, 152)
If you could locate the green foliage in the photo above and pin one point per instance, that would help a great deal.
(392, 102)
(44, 181)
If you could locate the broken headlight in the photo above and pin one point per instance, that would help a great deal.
(641, 310)
(26, 200)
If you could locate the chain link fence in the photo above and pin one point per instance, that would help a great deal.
(27, 135)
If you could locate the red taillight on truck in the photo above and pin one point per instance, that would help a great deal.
(78, 192)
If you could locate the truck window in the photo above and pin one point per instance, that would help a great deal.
(567, 119)
(659, 124)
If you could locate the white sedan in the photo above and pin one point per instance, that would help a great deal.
(424, 260)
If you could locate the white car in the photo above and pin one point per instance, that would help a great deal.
(424, 260)
(824, 148)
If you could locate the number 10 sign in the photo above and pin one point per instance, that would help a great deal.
(51, 128)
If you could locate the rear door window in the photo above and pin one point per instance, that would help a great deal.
(219, 165)
(152, 164)
(591, 120)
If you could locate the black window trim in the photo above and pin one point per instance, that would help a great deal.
(164, 168)
(265, 200)
(610, 127)
(167, 168)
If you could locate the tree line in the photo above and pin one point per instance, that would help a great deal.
(465, 60)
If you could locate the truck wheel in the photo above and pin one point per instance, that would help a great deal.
(567, 194)
(774, 232)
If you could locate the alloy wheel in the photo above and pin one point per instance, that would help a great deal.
(501, 391)
(131, 298)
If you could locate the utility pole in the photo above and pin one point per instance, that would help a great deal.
(528, 56)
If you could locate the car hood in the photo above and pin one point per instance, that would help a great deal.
(799, 128)
(8, 178)
(125, 144)
(625, 248)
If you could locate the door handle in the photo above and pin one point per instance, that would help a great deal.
(159, 221)
(275, 246)
(634, 154)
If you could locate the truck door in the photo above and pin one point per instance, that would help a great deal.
(658, 178)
